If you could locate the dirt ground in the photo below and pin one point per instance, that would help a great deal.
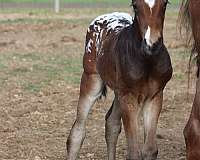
(40, 69)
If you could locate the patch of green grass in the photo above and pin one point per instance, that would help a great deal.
(76, 1)
(179, 76)
(56, 69)
(34, 71)
(176, 2)
(172, 13)
(45, 21)
(2, 66)
(32, 87)
(87, 11)
(27, 56)
(66, 1)
(35, 11)
(50, 14)
(20, 70)
(25, 21)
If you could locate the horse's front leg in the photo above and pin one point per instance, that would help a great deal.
(113, 128)
(130, 111)
(90, 90)
(151, 112)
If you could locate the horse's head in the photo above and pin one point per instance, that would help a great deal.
(150, 15)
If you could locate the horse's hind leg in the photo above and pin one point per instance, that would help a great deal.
(192, 129)
(151, 112)
(113, 128)
(90, 90)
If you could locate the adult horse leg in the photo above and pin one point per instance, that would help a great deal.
(192, 129)
(90, 90)
(113, 128)
(130, 111)
(151, 112)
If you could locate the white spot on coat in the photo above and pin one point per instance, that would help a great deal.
(151, 3)
(113, 20)
(89, 46)
(148, 36)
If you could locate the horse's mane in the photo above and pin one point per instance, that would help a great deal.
(126, 41)
(185, 27)
(132, 2)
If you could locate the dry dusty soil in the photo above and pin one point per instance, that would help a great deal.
(40, 70)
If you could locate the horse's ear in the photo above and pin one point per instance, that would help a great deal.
(167, 1)
(133, 3)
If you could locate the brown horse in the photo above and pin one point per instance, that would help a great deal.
(190, 14)
(127, 55)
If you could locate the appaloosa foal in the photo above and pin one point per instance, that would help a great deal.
(127, 55)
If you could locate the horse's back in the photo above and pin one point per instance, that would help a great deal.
(102, 29)
(103, 26)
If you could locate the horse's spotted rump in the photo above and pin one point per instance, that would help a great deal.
(103, 26)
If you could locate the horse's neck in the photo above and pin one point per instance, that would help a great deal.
(132, 59)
